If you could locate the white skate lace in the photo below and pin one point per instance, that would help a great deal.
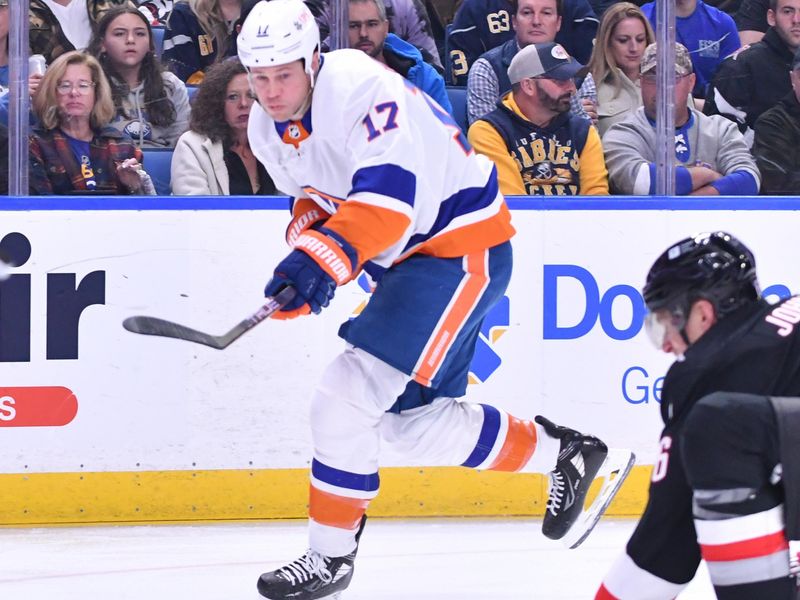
(310, 564)
(556, 492)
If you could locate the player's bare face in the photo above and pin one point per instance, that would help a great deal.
(127, 41)
(786, 21)
(627, 44)
(536, 22)
(366, 30)
(555, 94)
(281, 90)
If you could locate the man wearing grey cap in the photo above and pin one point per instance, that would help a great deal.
(711, 154)
(539, 147)
(777, 140)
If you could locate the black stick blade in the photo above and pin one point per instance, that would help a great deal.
(160, 327)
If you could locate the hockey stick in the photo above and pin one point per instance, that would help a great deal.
(160, 327)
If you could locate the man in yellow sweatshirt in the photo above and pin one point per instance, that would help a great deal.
(538, 146)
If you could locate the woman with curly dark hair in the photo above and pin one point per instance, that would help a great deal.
(152, 104)
(214, 156)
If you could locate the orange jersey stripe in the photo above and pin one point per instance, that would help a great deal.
(335, 511)
(470, 238)
(518, 447)
(760, 546)
(458, 311)
(369, 229)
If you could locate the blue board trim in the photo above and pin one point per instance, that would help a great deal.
(61, 203)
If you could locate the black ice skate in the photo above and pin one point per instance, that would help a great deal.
(311, 577)
(581, 460)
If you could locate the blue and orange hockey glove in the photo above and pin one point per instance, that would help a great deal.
(321, 261)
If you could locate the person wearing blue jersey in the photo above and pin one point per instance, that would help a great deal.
(384, 181)
(535, 22)
(368, 29)
(709, 34)
(480, 25)
(198, 34)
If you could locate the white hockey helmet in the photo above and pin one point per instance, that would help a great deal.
(278, 32)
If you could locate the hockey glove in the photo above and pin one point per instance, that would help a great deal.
(306, 214)
(320, 261)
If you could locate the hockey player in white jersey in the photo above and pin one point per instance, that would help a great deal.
(384, 181)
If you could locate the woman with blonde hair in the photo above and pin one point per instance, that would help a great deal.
(198, 34)
(623, 35)
(73, 150)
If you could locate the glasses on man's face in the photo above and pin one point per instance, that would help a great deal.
(650, 78)
(236, 97)
(82, 87)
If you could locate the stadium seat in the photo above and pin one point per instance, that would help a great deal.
(157, 163)
(158, 39)
(458, 98)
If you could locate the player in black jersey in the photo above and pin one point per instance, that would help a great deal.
(726, 486)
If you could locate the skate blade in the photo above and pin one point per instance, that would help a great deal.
(613, 471)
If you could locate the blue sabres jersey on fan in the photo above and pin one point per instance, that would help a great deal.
(480, 25)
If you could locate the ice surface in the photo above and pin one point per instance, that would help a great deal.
(429, 559)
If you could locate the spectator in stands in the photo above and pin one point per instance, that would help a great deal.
(3, 44)
(624, 34)
(777, 141)
(711, 154)
(540, 149)
(214, 156)
(751, 21)
(756, 78)
(535, 22)
(73, 150)
(708, 33)
(198, 34)
(59, 26)
(480, 25)
(369, 32)
(152, 106)
(408, 20)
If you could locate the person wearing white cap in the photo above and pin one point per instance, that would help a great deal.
(383, 181)
(538, 145)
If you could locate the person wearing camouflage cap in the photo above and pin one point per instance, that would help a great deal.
(711, 154)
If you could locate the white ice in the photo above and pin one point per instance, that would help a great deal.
(428, 559)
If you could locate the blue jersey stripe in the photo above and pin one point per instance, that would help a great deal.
(344, 479)
(462, 202)
(386, 180)
(487, 438)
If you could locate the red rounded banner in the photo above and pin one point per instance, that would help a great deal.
(40, 406)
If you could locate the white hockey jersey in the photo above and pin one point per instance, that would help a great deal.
(387, 162)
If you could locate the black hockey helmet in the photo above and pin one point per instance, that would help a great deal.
(714, 266)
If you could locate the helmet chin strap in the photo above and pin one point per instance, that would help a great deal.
(301, 110)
